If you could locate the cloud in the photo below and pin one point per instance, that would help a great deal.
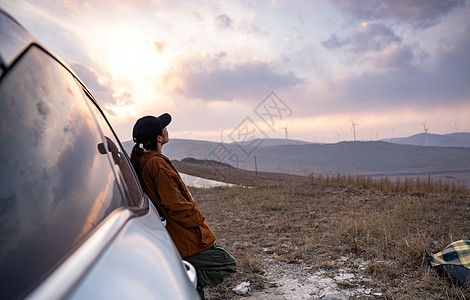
(443, 87)
(194, 16)
(376, 43)
(373, 37)
(334, 42)
(124, 99)
(89, 76)
(405, 77)
(223, 21)
(207, 78)
(80, 5)
(158, 46)
(418, 13)
(253, 29)
(395, 56)
(453, 66)
(102, 92)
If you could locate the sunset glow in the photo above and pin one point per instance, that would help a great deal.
(211, 64)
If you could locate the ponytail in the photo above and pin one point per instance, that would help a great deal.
(135, 155)
(137, 152)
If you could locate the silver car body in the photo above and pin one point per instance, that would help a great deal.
(138, 263)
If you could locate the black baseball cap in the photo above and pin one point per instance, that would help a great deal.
(147, 128)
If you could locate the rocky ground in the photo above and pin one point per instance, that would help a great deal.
(287, 281)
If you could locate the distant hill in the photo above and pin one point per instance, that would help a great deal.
(367, 158)
(183, 148)
(458, 139)
(374, 159)
(278, 142)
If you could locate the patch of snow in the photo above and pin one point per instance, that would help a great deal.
(295, 282)
(242, 289)
(344, 276)
(199, 182)
(331, 294)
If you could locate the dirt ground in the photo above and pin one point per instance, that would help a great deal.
(317, 238)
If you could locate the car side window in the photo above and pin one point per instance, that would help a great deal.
(126, 177)
(55, 186)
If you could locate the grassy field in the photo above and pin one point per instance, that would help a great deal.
(314, 221)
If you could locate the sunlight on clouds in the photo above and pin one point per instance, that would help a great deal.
(159, 46)
(76, 6)
(394, 56)
(123, 112)
(136, 62)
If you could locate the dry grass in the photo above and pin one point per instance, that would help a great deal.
(312, 221)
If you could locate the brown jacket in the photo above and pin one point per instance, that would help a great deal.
(185, 224)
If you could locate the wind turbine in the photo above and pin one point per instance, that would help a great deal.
(222, 136)
(426, 134)
(285, 131)
(354, 128)
(455, 126)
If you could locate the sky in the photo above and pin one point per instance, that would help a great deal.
(310, 69)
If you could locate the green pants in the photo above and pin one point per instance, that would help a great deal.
(212, 266)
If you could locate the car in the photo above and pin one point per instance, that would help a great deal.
(74, 221)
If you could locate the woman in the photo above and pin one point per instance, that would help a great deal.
(185, 224)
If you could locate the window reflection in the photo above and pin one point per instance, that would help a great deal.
(55, 186)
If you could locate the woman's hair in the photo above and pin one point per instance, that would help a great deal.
(137, 152)
(135, 155)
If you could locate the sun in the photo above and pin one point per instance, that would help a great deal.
(131, 56)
